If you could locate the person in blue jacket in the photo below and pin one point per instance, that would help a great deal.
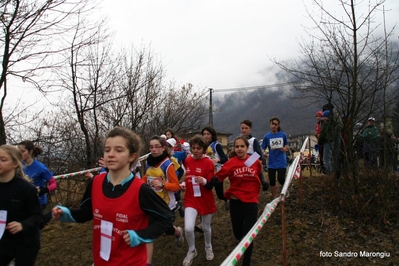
(41, 177)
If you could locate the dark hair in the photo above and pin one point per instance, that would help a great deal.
(278, 120)
(16, 156)
(246, 142)
(328, 106)
(31, 147)
(171, 131)
(200, 141)
(133, 141)
(210, 130)
(173, 134)
(247, 122)
(164, 143)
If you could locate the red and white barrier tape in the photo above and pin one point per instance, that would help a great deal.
(93, 170)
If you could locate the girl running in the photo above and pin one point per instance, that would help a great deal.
(277, 143)
(120, 206)
(41, 177)
(254, 147)
(198, 198)
(243, 172)
(162, 178)
(217, 155)
(20, 211)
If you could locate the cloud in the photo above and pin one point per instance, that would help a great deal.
(220, 44)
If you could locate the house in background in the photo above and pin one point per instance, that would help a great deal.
(296, 141)
(223, 137)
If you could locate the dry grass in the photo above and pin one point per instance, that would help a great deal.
(316, 225)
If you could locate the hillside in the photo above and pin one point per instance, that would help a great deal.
(259, 106)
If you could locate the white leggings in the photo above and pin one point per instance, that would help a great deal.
(190, 216)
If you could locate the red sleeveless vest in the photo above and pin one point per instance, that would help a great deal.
(125, 214)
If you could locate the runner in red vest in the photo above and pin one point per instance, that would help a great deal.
(120, 206)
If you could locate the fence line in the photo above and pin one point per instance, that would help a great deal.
(93, 170)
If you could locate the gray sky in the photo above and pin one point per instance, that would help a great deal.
(220, 43)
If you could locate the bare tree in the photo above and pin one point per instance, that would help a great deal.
(29, 38)
(89, 76)
(125, 90)
(138, 88)
(353, 66)
(147, 106)
(183, 109)
(57, 133)
(347, 64)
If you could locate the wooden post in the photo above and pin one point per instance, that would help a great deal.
(284, 233)
(310, 158)
(300, 189)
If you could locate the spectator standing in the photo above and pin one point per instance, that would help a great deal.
(370, 144)
(277, 143)
(120, 206)
(319, 115)
(388, 151)
(330, 139)
(20, 211)
(319, 120)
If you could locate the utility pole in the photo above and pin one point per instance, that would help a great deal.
(239, 89)
(210, 107)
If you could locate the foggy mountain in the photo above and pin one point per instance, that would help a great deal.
(259, 106)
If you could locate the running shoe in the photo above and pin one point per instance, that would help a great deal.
(188, 260)
(209, 253)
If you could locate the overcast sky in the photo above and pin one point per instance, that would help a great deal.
(219, 43)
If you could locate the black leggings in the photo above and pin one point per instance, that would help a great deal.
(280, 176)
(243, 216)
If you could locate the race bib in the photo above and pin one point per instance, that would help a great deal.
(196, 188)
(106, 240)
(150, 179)
(3, 219)
(276, 143)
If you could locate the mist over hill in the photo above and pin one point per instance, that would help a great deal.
(259, 106)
